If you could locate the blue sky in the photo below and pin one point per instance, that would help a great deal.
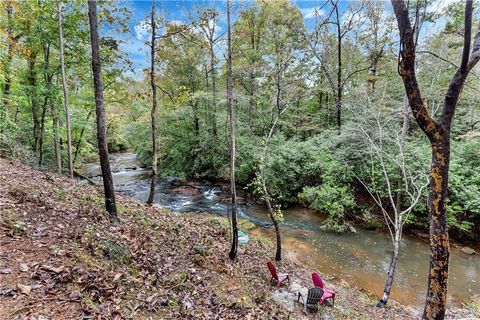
(178, 10)
(134, 42)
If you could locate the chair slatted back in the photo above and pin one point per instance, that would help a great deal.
(314, 296)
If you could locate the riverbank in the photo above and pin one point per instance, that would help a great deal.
(62, 258)
(128, 171)
(360, 258)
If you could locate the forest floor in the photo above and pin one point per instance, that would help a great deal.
(62, 258)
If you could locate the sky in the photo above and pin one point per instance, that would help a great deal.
(178, 10)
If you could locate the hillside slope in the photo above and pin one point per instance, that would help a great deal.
(61, 258)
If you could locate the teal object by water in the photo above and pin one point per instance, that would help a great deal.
(243, 237)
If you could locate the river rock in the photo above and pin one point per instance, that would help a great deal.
(187, 191)
(468, 250)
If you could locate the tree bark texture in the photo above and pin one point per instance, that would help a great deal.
(391, 273)
(438, 132)
(56, 140)
(65, 90)
(100, 111)
(153, 113)
(231, 112)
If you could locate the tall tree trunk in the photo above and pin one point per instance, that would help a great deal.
(32, 81)
(263, 166)
(65, 90)
(153, 183)
(48, 82)
(213, 114)
(271, 211)
(436, 300)
(338, 99)
(438, 132)
(251, 99)
(100, 111)
(56, 141)
(252, 83)
(9, 58)
(42, 131)
(231, 111)
(328, 109)
(320, 100)
(196, 120)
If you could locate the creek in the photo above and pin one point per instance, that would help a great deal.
(360, 258)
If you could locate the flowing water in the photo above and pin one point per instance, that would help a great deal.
(361, 258)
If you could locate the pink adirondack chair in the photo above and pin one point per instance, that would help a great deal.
(279, 278)
(327, 294)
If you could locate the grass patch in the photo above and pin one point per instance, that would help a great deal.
(115, 251)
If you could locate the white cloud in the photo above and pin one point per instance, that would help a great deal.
(142, 30)
(310, 13)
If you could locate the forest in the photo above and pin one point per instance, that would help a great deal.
(365, 113)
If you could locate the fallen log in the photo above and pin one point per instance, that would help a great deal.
(78, 174)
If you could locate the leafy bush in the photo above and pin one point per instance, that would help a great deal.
(464, 184)
(10, 145)
(329, 198)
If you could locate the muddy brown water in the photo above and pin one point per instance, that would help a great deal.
(360, 258)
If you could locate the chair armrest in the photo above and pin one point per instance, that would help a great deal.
(299, 296)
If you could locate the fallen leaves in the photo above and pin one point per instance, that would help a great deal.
(24, 289)
(117, 277)
(150, 264)
(23, 267)
(52, 269)
(5, 271)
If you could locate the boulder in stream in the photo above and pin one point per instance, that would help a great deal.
(191, 191)
(468, 250)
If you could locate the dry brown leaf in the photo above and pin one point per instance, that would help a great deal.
(5, 271)
(52, 269)
(24, 289)
(117, 276)
(23, 267)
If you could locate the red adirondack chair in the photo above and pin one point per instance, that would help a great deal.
(279, 278)
(327, 294)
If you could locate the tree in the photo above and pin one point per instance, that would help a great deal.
(100, 111)
(153, 183)
(11, 43)
(231, 113)
(328, 46)
(438, 133)
(385, 153)
(65, 90)
(274, 214)
(284, 26)
(249, 30)
(208, 27)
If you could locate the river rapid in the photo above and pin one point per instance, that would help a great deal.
(360, 258)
